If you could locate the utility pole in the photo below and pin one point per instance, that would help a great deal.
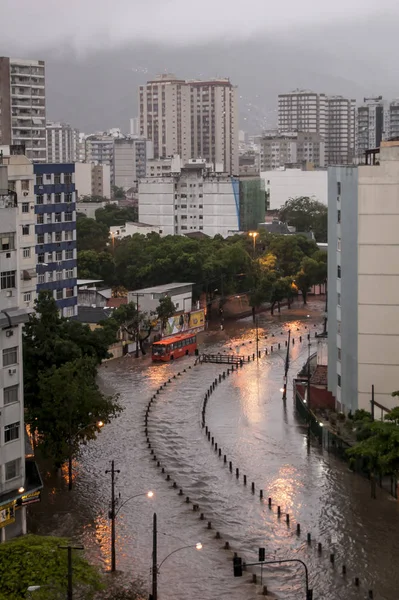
(112, 515)
(257, 338)
(372, 402)
(287, 365)
(69, 549)
(138, 324)
(154, 559)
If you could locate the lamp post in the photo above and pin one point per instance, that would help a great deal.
(257, 338)
(113, 512)
(155, 567)
(253, 235)
(71, 439)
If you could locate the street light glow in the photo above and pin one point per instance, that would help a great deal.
(150, 494)
(281, 390)
(198, 546)
(21, 489)
(33, 588)
(100, 424)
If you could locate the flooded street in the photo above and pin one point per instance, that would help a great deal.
(261, 436)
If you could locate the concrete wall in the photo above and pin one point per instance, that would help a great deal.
(378, 267)
(292, 183)
(342, 292)
(83, 179)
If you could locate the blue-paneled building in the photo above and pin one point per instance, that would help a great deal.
(55, 210)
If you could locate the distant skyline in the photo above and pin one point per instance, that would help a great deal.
(96, 59)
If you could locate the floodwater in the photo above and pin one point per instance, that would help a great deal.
(262, 437)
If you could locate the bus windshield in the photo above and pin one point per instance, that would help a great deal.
(158, 349)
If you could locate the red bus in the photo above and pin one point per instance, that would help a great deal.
(174, 347)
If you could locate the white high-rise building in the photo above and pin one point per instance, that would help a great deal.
(369, 126)
(190, 197)
(62, 143)
(14, 475)
(23, 106)
(130, 159)
(303, 110)
(340, 130)
(194, 119)
(278, 149)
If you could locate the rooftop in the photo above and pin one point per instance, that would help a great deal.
(92, 315)
(162, 289)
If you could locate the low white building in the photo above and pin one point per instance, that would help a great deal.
(148, 299)
(92, 180)
(191, 197)
(118, 232)
(283, 184)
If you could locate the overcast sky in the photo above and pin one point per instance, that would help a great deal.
(28, 25)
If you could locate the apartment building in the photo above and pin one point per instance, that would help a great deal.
(92, 180)
(191, 197)
(302, 110)
(130, 159)
(194, 119)
(278, 149)
(340, 130)
(23, 106)
(286, 183)
(55, 228)
(62, 143)
(19, 478)
(369, 126)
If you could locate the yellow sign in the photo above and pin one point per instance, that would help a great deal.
(31, 498)
(193, 321)
(7, 514)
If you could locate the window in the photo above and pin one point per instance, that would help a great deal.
(69, 311)
(39, 199)
(59, 294)
(25, 229)
(26, 252)
(69, 292)
(10, 356)
(7, 242)
(58, 276)
(10, 394)
(57, 179)
(69, 274)
(11, 432)
(58, 255)
(49, 238)
(49, 199)
(339, 272)
(57, 198)
(68, 216)
(68, 197)
(49, 218)
(57, 218)
(338, 188)
(25, 185)
(27, 297)
(49, 276)
(68, 178)
(339, 380)
(339, 299)
(40, 257)
(40, 238)
(58, 236)
(12, 469)
(338, 326)
(7, 279)
(39, 179)
(338, 216)
(68, 254)
(40, 219)
(25, 207)
(339, 353)
(200, 206)
(48, 176)
(40, 278)
(49, 256)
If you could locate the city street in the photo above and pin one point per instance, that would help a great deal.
(263, 438)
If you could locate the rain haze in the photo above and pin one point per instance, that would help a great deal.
(97, 53)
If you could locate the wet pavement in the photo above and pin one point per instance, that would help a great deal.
(261, 435)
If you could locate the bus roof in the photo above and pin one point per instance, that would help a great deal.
(175, 338)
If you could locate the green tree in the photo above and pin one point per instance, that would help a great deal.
(118, 192)
(136, 323)
(260, 293)
(311, 273)
(91, 235)
(71, 406)
(306, 214)
(165, 310)
(281, 290)
(93, 198)
(35, 560)
(112, 215)
(96, 265)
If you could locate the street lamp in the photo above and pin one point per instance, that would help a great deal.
(155, 567)
(98, 424)
(253, 235)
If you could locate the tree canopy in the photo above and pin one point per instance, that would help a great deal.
(112, 215)
(91, 235)
(306, 214)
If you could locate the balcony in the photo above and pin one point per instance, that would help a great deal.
(8, 200)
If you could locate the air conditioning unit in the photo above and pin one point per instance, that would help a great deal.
(9, 333)
(12, 371)
(9, 293)
(26, 193)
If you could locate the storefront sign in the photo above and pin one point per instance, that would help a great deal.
(7, 514)
(193, 321)
(31, 498)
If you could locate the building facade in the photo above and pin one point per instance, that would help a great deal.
(194, 119)
(283, 148)
(55, 212)
(99, 149)
(62, 143)
(190, 198)
(340, 130)
(342, 286)
(130, 159)
(369, 126)
(284, 184)
(23, 106)
(92, 180)
(302, 110)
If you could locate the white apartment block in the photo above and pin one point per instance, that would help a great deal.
(340, 130)
(62, 143)
(23, 106)
(191, 198)
(369, 126)
(303, 110)
(92, 180)
(194, 119)
(130, 158)
(118, 232)
(284, 184)
(278, 149)
(12, 431)
(99, 149)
